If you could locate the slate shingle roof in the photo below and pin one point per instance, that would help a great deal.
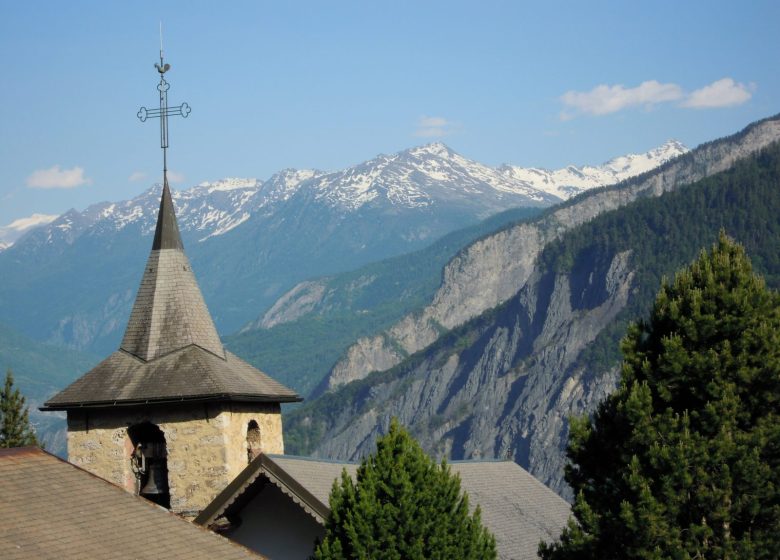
(187, 374)
(171, 350)
(52, 509)
(169, 312)
(518, 509)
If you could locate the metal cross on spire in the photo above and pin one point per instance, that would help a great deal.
(164, 111)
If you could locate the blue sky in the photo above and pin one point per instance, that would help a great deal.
(329, 84)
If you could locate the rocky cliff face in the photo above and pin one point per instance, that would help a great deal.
(503, 380)
(490, 271)
(503, 385)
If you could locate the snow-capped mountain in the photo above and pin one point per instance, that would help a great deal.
(422, 177)
(571, 180)
(206, 210)
(72, 281)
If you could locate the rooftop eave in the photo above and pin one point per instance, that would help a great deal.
(49, 406)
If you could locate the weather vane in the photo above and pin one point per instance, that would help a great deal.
(164, 111)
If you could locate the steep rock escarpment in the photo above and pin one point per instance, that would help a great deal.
(502, 385)
(495, 268)
(294, 304)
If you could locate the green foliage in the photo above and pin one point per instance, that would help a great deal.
(403, 506)
(15, 429)
(683, 460)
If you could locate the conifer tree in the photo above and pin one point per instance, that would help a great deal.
(15, 428)
(683, 460)
(402, 506)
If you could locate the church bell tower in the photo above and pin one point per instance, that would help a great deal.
(171, 415)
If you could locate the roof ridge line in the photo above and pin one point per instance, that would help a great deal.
(161, 356)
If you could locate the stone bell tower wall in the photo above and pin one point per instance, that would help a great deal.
(206, 444)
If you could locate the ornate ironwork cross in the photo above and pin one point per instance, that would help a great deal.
(164, 111)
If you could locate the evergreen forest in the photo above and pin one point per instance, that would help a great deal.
(662, 234)
(665, 234)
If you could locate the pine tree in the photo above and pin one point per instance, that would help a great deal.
(402, 506)
(683, 460)
(15, 428)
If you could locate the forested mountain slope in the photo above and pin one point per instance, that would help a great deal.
(40, 371)
(504, 383)
(490, 271)
(300, 338)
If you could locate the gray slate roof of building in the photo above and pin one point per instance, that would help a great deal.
(171, 350)
(52, 509)
(187, 374)
(169, 312)
(518, 509)
(166, 232)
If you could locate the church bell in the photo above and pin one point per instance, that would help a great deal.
(149, 460)
(158, 480)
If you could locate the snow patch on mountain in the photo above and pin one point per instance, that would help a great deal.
(571, 180)
(420, 177)
(229, 184)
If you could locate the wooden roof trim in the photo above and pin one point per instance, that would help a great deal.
(249, 477)
(226, 397)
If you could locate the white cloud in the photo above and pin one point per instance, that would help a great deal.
(13, 231)
(433, 127)
(23, 224)
(604, 99)
(174, 177)
(433, 121)
(722, 93)
(56, 178)
(136, 176)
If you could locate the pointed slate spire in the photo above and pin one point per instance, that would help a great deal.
(171, 351)
(169, 312)
(166, 235)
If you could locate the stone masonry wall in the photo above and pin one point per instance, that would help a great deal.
(206, 445)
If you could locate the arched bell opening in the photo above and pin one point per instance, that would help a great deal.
(149, 462)
(253, 441)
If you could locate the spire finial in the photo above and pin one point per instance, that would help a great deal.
(164, 111)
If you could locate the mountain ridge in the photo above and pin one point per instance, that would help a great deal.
(249, 241)
(589, 177)
(503, 383)
(508, 257)
(305, 340)
(215, 207)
